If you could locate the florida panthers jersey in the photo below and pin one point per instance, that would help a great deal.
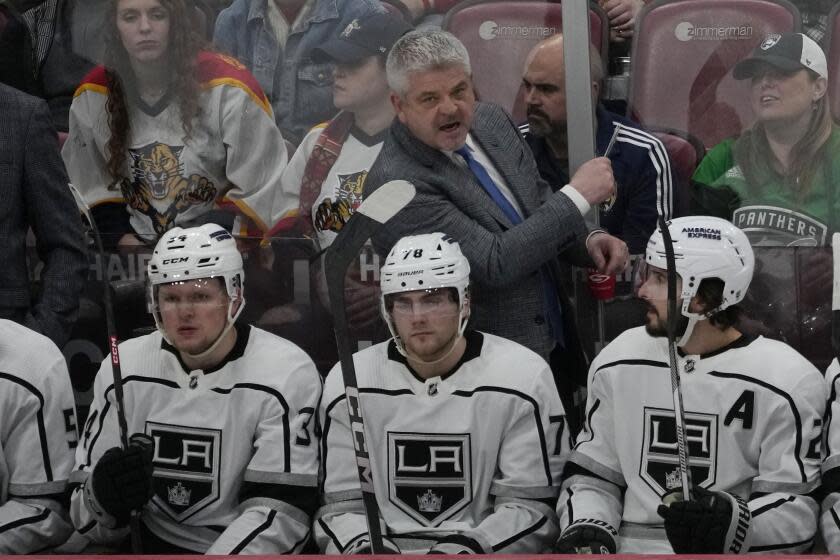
(830, 518)
(753, 414)
(477, 452)
(37, 437)
(341, 192)
(235, 155)
(236, 458)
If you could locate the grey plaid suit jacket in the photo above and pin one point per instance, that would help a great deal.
(505, 260)
(34, 193)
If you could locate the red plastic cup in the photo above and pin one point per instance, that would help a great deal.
(601, 286)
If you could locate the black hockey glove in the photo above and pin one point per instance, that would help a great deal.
(121, 481)
(709, 523)
(583, 538)
(456, 544)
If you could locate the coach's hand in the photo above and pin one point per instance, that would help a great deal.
(594, 180)
(609, 253)
(709, 523)
(121, 481)
(584, 538)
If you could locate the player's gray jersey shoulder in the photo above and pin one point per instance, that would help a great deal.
(775, 362)
(30, 356)
(632, 344)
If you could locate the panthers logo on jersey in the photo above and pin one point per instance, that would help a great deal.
(186, 463)
(660, 459)
(429, 475)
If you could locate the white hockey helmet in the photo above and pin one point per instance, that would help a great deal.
(206, 251)
(705, 247)
(425, 262)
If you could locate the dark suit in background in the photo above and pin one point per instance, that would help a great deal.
(505, 261)
(34, 193)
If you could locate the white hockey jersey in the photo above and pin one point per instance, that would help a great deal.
(478, 452)
(341, 192)
(830, 518)
(37, 437)
(236, 456)
(236, 154)
(753, 424)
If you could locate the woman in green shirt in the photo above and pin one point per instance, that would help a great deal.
(777, 180)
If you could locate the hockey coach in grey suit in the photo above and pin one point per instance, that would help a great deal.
(514, 231)
(34, 193)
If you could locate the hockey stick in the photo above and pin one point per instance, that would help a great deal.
(835, 297)
(679, 413)
(374, 211)
(113, 346)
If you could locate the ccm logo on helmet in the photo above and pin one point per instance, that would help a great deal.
(176, 260)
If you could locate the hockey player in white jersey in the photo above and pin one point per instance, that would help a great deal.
(466, 431)
(830, 517)
(753, 414)
(37, 437)
(224, 459)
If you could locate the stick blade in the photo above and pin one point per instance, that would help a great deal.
(384, 203)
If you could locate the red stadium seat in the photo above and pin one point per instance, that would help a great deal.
(682, 55)
(685, 152)
(500, 34)
(832, 50)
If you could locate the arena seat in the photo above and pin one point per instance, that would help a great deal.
(500, 34)
(681, 60)
(832, 52)
(685, 152)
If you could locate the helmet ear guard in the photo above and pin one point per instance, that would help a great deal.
(424, 262)
(206, 251)
(705, 247)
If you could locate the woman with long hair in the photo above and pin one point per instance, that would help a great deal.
(170, 131)
(777, 181)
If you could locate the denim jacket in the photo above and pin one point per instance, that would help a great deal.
(300, 90)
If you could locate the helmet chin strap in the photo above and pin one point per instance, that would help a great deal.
(693, 319)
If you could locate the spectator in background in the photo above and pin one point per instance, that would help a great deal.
(640, 163)
(778, 180)
(33, 183)
(477, 182)
(322, 185)
(274, 39)
(324, 178)
(168, 131)
(67, 35)
(622, 15)
(15, 51)
(814, 15)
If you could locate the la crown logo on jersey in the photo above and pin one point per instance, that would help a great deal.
(430, 475)
(186, 468)
(179, 495)
(659, 466)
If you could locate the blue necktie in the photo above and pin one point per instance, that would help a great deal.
(551, 304)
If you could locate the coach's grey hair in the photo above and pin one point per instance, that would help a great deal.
(422, 50)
